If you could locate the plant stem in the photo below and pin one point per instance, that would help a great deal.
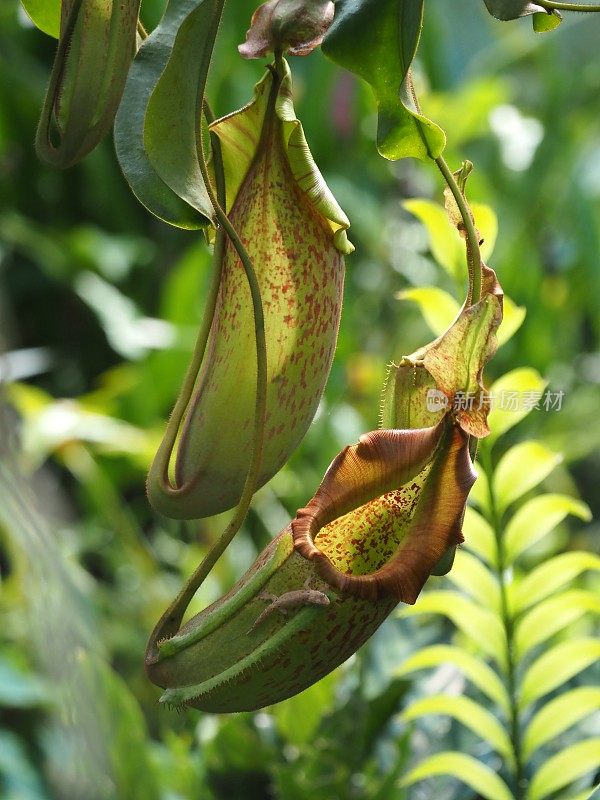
(520, 785)
(549, 5)
(141, 31)
(473, 252)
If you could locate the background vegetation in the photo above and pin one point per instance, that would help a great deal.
(99, 303)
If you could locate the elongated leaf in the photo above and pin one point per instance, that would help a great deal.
(522, 386)
(480, 494)
(586, 794)
(377, 40)
(564, 768)
(556, 666)
(558, 715)
(536, 518)
(470, 575)
(45, 15)
(476, 670)
(479, 536)
(150, 63)
(555, 573)
(521, 469)
(553, 616)
(447, 245)
(480, 625)
(467, 769)
(173, 112)
(473, 716)
(438, 307)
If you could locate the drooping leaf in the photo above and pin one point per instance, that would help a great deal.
(377, 40)
(472, 715)
(512, 9)
(558, 715)
(536, 518)
(96, 45)
(295, 234)
(473, 668)
(296, 27)
(479, 624)
(552, 616)
(470, 575)
(467, 769)
(551, 576)
(521, 469)
(562, 769)
(556, 666)
(171, 137)
(182, 20)
(512, 319)
(514, 396)
(45, 15)
(479, 536)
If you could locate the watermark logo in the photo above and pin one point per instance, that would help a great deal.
(504, 400)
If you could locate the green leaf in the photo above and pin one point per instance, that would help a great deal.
(473, 716)
(446, 244)
(144, 75)
(172, 114)
(586, 794)
(564, 768)
(546, 21)
(479, 536)
(553, 616)
(556, 666)
(526, 383)
(521, 469)
(470, 575)
(438, 307)
(558, 715)
(476, 670)
(536, 518)
(512, 319)
(45, 15)
(467, 769)
(377, 40)
(298, 717)
(480, 625)
(552, 575)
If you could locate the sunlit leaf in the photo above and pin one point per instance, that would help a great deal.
(377, 40)
(558, 715)
(472, 715)
(467, 769)
(512, 319)
(470, 575)
(565, 767)
(477, 623)
(552, 616)
(546, 21)
(525, 385)
(45, 15)
(479, 536)
(437, 306)
(536, 518)
(557, 666)
(521, 469)
(480, 493)
(473, 668)
(552, 575)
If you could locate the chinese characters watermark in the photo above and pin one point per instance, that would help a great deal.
(505, 400)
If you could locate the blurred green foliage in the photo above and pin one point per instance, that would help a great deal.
(99, 303)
